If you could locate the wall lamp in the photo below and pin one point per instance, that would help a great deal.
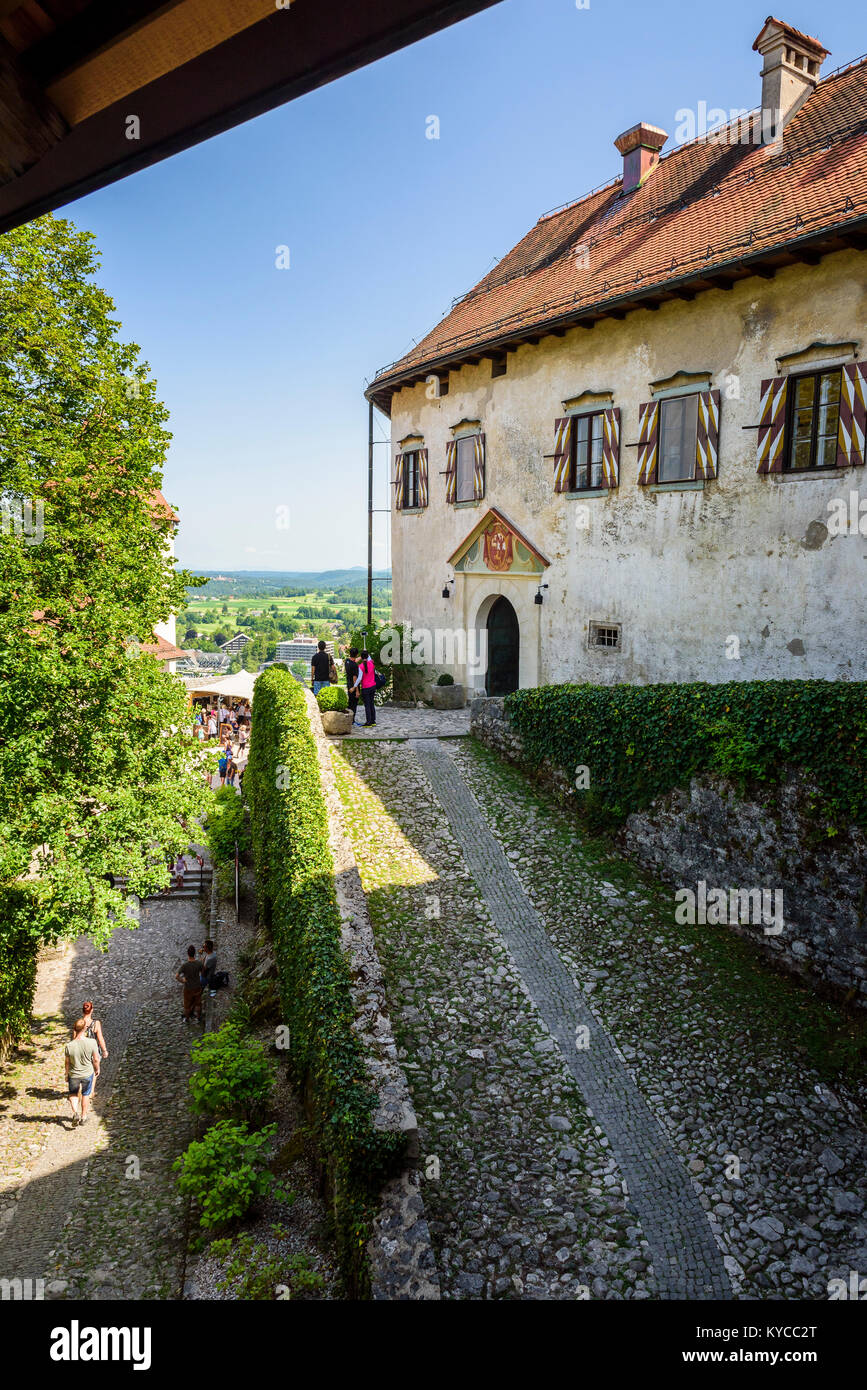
(538, 596)
(446, 590)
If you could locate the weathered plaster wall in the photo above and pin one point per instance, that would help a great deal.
(745, 555)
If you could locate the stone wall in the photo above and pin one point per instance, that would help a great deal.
(707, 834)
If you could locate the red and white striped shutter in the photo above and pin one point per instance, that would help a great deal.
(853, 416)
(562, 452)
(451, 469)
(772, 426)
(648, 442)
(707, 435)
(611, 447)
(479, 467)
(422, 477)
(398, 481)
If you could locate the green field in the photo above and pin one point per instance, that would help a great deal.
(330, 610)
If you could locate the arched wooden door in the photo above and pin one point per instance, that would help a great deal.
(504, 640)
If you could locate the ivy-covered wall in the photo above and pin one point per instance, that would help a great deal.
(297, 900)
(18, 953)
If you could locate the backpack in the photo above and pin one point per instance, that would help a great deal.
(220, 980)
(332, 671)
(379, 680)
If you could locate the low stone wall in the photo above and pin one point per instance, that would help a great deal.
(400, 1253)
(705, 837)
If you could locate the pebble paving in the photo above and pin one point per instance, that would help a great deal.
(694, 1118)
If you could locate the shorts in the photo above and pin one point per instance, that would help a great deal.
(86, 1086)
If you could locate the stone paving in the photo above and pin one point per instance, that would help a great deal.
(395, 722)
(94, 1210)
(498, 924)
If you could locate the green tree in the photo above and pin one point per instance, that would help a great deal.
(98, 773)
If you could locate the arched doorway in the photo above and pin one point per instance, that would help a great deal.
(504, 642)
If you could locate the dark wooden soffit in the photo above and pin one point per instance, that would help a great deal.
(47, 160)
(808, 251)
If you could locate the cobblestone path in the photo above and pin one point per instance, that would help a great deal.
(94, 1210)
(498, 924)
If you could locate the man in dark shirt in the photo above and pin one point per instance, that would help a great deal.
(350, 666)
(319, 669)
(190, 976)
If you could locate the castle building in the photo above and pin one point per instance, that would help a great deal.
(635, 450)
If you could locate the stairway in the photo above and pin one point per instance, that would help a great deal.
(197, 882)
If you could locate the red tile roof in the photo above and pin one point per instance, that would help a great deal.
(707, 205)
(162, 650)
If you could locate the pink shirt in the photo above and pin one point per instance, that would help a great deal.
(368, 678)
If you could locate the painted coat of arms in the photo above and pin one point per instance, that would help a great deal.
(498, 547)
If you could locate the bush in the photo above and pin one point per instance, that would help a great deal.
(297, 901)
(639, 742)
(233, 1076)
(227, 824)
(226, 1171)
(445, 679)
(19, 945)
(332, 697)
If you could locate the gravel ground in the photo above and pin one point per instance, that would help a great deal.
(529, 1202)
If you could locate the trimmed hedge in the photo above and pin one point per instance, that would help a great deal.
(226, 825)
(19, 948)
(297, 901)
(639, 742)
(333, 697)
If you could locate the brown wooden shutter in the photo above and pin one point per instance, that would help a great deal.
(853, 416)
(611, 447)
(479, 467)
(398, 482)
(451, 469)
(648, 442)
(772, 426)
(707, 435)
(422, 477)
(562, 453)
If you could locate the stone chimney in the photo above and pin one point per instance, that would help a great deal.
(790, 72)
(640, 148)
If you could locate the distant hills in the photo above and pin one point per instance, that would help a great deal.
(223, 583)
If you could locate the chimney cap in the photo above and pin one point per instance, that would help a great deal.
(643, 136)
(764, 39)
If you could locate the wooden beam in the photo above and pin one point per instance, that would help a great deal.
(765, 272)
(687, 295)
(30, 124)
(719, 282)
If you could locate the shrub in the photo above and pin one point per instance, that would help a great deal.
(332, 697)
(640, 742)
(233, 1076)
(227, 824)
(19, 944)
(297, 901)
(445, 679)
(226, 1171)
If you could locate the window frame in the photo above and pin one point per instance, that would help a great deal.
(405, 504)
(663, 401)
(464, 440)
(589, 416)
(791, 407)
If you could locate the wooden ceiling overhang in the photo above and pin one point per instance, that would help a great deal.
(808, 250)
(73, 72)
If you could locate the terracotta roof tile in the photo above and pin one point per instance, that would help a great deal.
(708, 203)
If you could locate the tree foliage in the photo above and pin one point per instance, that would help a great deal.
(98, 773)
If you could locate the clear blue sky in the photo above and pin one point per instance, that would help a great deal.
(264, 369)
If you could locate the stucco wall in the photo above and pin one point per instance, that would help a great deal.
(682, 571)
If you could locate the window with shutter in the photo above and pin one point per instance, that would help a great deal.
(585, 468)
(813, 420)
(648, 450)
(678, 433)
(853, 416)
(772, 426)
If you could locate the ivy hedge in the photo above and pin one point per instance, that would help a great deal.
(19, 947)
(297, 901)
(639, 742)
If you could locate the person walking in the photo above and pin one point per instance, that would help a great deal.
(81, 1064)
(212, 726)
(367, 678)
(190, 976)
(350, 666)
(94, 1027)
(209, 966)
(180, 870)
(242, 740)
(231, 771)
(320, 669)
(223, 764)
